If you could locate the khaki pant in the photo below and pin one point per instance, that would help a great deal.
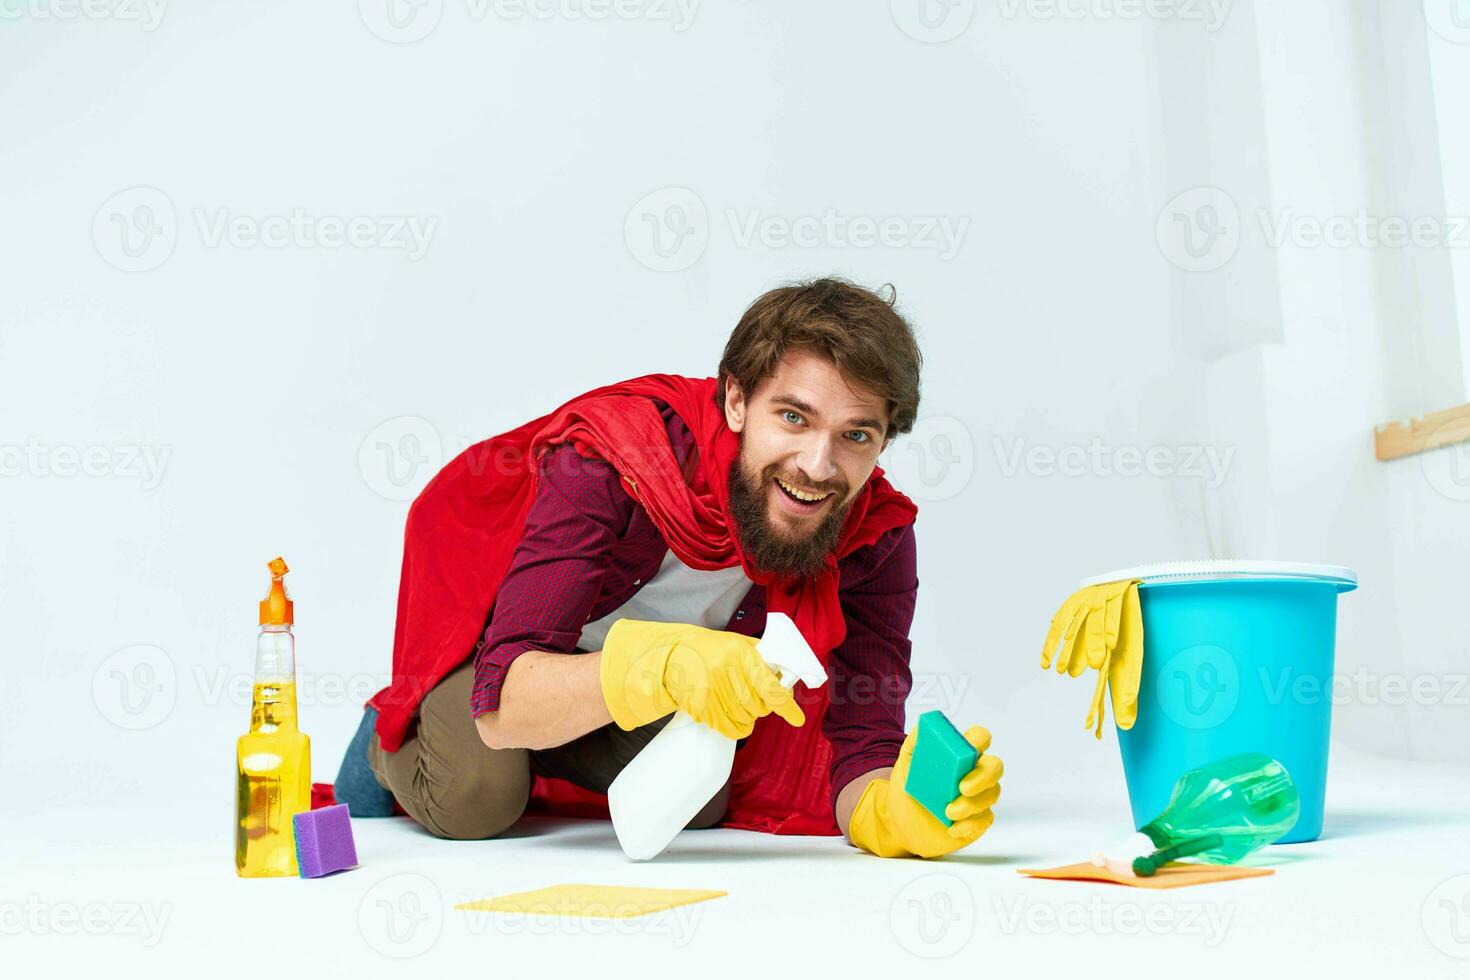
(456, 787)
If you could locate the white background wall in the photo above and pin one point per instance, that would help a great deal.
(267, 380)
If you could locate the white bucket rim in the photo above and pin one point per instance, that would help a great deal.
(1226, 568)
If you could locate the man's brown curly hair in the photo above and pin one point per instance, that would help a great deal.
(857, 329)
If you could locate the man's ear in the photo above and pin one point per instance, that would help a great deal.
(734, 405)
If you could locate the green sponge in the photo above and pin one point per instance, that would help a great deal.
(941, 759)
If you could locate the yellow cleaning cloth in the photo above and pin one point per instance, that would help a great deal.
(1174, 875)
(599, 901)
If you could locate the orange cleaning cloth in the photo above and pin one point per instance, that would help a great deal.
(1175, 875)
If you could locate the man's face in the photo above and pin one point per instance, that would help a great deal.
(805, 432)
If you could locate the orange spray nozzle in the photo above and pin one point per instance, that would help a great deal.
(276, 609)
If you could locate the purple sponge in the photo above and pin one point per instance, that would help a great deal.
(324, 841)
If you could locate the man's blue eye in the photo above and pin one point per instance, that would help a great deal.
(794, 416)
(859, 432)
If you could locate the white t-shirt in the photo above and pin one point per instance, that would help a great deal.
(676, 594)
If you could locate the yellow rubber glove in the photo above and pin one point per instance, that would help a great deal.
(1101, 627)
(890, 823)
(718, 678)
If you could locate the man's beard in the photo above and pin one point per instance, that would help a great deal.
(768, 548)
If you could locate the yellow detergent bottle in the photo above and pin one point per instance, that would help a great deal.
(273, 759)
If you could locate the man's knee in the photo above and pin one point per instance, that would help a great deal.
(455, 791)
(477, 806)
(450, 782)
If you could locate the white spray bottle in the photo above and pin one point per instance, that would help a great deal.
(685, 764)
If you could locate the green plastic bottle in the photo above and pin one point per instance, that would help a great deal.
(1218, 813)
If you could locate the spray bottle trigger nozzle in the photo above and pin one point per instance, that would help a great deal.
(787, 652)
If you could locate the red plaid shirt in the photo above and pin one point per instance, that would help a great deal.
(588, 547)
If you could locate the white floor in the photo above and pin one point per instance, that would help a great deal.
(1387, 890)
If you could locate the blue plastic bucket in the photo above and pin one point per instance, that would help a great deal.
(1237, 657)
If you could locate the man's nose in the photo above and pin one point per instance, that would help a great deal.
(815, 462)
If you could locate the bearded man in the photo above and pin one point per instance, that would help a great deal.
(569, 585)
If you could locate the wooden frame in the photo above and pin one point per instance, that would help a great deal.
(1398, 439)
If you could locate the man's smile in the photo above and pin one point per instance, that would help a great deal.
(796, 500)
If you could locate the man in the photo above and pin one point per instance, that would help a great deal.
(567, 586)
